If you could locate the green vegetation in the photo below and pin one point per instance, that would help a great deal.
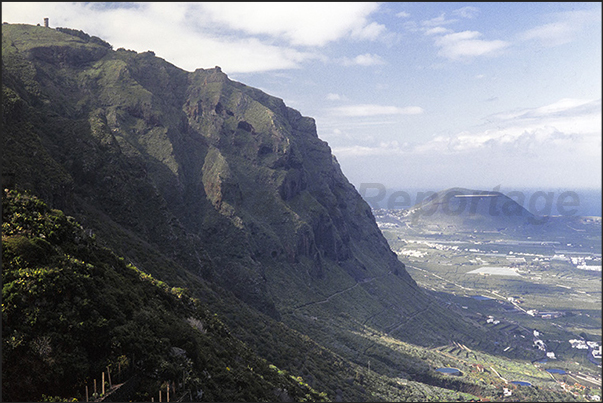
(71, 309)
(220, 199)
(544, 280)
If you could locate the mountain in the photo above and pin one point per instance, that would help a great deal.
(193, 158)
(207, 184)
(459, 209)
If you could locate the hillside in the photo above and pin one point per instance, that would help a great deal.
(187, 158)
(195, 169)
(72, 310)
(207, 184)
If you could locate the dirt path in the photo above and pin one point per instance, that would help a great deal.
(324, 301)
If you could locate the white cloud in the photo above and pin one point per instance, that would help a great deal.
(403, 14)
(411, 26)
(359, 151)
(307, 24)
(514, 141)
(460, 45)
(375, 110)
(467, 12)
(567, 108)
(555, 33)
(437, 31)
(564, 29)
(467, 44)
(438, 21)
(333, 97)
(366, 59)
(238, 56)
(561, 128)
(370, 31)
(239, 37)
(550, 146)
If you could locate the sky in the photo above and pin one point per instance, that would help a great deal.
(407, 95)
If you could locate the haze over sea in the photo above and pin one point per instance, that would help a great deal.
(539, 201)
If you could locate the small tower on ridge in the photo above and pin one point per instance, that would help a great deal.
(46, 22)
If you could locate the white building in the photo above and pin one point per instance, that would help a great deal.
(579, 344)
(540, 344)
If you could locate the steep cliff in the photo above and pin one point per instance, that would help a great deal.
(195, 176)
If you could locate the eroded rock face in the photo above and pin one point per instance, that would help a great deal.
(196, 161)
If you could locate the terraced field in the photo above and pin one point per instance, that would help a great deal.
(522, 287)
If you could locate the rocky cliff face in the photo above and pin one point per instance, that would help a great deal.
(221, 179)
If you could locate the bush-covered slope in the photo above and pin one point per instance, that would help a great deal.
(71, 308)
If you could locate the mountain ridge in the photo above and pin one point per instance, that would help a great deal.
(230, 151)
(209, 184)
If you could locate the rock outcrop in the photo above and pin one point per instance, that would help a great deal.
(222, 180)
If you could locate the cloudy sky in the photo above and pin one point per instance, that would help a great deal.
(408, 95)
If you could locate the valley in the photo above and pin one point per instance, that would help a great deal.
(539, 287)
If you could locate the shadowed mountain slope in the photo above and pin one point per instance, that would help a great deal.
(212, 185)
(73, 310)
